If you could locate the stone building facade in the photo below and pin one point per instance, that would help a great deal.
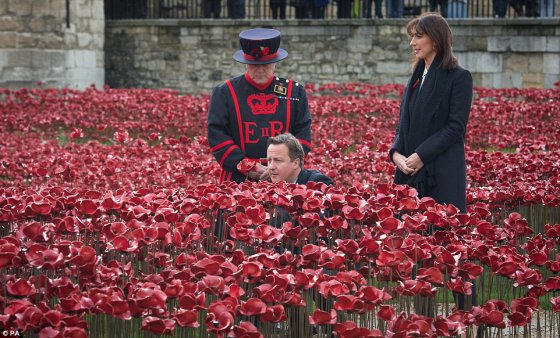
(57, 42)
(195, 55)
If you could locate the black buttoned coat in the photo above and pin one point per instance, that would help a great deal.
(433, 122)
(306, 175)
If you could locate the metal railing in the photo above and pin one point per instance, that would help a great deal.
(344, 9)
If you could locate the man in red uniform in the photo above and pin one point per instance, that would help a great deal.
(246, 110)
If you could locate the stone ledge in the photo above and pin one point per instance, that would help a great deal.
(489, 22)
(325, 51)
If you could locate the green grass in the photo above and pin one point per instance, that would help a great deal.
(508, 150)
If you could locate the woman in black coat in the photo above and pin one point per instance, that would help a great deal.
(429, 145)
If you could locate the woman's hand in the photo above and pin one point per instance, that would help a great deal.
(400, 162)
(414, 162)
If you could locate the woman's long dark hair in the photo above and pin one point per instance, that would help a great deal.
(435, 26)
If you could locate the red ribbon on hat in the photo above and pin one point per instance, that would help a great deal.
(264, 58)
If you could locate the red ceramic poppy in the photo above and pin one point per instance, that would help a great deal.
(416, 222)
(369, 246)
(351, 303)
(470, 270)
(431, 275)
(73, 303)
(448, 328)
(63, 287)
(293, 298)
(274, 314)
(351, 278)
(321, 317)
(332, 288)
(524, 305)
(74, 332)
(158, 326)
(206, 266)
(191, 301)
(256, 214)
(29, 319)
(20, 287)
(214, 285)
(186, 318)
(88, 207)
(121, 136)
(268, 234)
(336, 222)
(348, 246)
(41, 208)
(8, 252)
(519, 319)
(174, 288)
(415, 287)
(414, 325)
(460, 286)
(527, 277)
(390, 225)
(246, 165)
(33, 231)
(51, 318)
(246, 330)
(118, 308)
(85, 255)
(269, 293)
(506, 269)
(373, 295)
(311, 252)
(150, 298)
(219, 318)
(555, 303)
(386, 313)
(349, 329)
(390, 258)
(252, 307)
(48, 332)
(252, 269)
(492, 318)
(353, 213)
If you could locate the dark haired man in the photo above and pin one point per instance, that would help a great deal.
(285, 162)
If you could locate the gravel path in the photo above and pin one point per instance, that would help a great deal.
(544, 324)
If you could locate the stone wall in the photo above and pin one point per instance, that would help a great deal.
(195, 55)
(40, 40)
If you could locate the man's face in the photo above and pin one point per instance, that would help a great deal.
(280, 167)
(261, 73)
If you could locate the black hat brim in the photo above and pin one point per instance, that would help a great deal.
(239, 57)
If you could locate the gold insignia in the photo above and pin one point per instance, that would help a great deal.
(279, 89)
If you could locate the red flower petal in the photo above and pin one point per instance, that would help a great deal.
(274, 314)
(20, 287)
(246, 330)
(186, 318)
(386, 313)
(158, 326)
(432, 275)
(321, 317)
(253, 306)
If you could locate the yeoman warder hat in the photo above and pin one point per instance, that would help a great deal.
(260, 46)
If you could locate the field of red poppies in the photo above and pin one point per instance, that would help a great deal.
(113, 224)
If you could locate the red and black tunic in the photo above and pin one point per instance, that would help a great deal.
(243, 115)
